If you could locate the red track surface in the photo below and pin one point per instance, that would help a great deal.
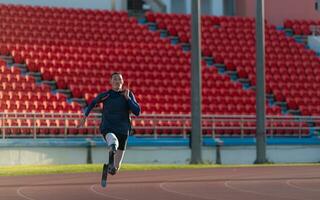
(262, 183)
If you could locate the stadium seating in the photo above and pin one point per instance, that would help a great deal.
(301, 27)
(290, 69)
(80, 68)
(79, 49)
(22, 94)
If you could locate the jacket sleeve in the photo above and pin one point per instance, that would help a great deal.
(133, 104)
(101, 97)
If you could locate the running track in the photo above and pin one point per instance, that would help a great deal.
(259, 183)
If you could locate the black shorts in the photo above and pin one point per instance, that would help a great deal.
(122, 139)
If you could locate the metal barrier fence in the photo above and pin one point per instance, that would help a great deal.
(37, 125)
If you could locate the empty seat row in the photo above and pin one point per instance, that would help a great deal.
(301, 27)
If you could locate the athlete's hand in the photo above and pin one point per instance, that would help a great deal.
(82, 121)
(126, 93)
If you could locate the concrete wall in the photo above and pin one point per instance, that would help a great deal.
(244, 154)
(314, 43)
(42, 155)
(178, 6)
(92, 4)
(212, 7)
(277, 11)
(209, 7)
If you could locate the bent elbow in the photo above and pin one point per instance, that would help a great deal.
(137, 112)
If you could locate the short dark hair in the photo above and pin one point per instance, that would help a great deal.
(115, 73)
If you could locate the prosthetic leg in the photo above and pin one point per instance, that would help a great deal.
(110, 168)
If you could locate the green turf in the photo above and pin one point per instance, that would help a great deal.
(81, 168)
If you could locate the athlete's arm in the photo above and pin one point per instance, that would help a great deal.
(101, 97)
(133, 104)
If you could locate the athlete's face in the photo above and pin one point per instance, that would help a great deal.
(116, 82)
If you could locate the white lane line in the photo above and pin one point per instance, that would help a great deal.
(291, 184)
(20, 194)
(161, 185)
(105, 195)
(228, 185)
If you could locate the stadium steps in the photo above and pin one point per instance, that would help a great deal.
(164, 33)
(53, 85)
(175, 40)
(302, 39)
(38, 78)
(11, 63)
(178, 41)
(7, 58)
(234, 75)
(22, 67)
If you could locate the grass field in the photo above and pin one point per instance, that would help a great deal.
(82, 168)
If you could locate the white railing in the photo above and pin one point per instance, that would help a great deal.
(224, 125)
(66, 125)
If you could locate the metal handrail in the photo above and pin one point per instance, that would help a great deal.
(157, 123)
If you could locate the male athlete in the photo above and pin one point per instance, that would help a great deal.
(115, 125)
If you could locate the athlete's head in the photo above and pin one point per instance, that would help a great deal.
(116, 81)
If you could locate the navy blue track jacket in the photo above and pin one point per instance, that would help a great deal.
(116, 111)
